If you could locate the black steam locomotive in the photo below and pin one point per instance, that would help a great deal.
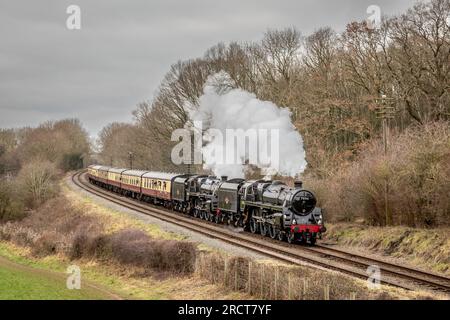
(270, 208)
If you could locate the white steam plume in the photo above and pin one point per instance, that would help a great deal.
(222, 108)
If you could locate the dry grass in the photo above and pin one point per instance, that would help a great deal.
(130, 282)
(429, 249)
(270, 280)
(114, 220)
(60, 228)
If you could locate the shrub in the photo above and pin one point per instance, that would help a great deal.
(11, 205)
(58, 227)
(416, 170)
(86, 244)
(72, 161)
(134, 247)
(47, 244)
(12, 231)
(37, 181)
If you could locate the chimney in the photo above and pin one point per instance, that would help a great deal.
(224, 178)
(298, 184)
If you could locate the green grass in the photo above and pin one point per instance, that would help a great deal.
(24, 285)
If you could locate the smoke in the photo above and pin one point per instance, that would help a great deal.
(279, 147)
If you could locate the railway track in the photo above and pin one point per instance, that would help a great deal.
(322, 256)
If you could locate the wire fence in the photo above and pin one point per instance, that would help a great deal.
(265, 280)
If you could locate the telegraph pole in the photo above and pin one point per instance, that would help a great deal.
(131, 155)
(385, 111)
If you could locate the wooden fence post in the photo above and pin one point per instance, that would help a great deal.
(289, 286)
(249, 281)
(235, 277)
(262, 277)
(326, 292)
(225, 273)
(305, 288)
(276, 284)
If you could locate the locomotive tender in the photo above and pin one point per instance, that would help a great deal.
(270, 208)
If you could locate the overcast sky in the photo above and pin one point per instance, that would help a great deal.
(99, 73)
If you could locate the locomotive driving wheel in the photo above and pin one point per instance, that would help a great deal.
(272, 231)
(263, 229)
(290, 236)
(253, 225)
(241, 223)
(280, 235)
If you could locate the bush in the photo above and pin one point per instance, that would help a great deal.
(47, 244)
(134, 247)
(86, 244)
(58, 227)
(11, 205)
(72, 161)
(37, 181)
(23, 236)
(417, 171)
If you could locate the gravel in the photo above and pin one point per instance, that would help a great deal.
(166, 226)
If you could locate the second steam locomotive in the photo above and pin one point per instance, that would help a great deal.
(270, 208)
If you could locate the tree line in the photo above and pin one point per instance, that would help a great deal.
(330, 81)
(33, 159)
(333, 83)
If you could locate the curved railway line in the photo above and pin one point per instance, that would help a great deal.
(326, 257)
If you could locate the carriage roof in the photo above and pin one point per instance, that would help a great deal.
(160, 175)
(117, 170)
(134, 173)
(94, 166)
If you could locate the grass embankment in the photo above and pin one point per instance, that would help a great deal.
(425, 248)
(19, 282)
(126, 283)
(35, 243)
